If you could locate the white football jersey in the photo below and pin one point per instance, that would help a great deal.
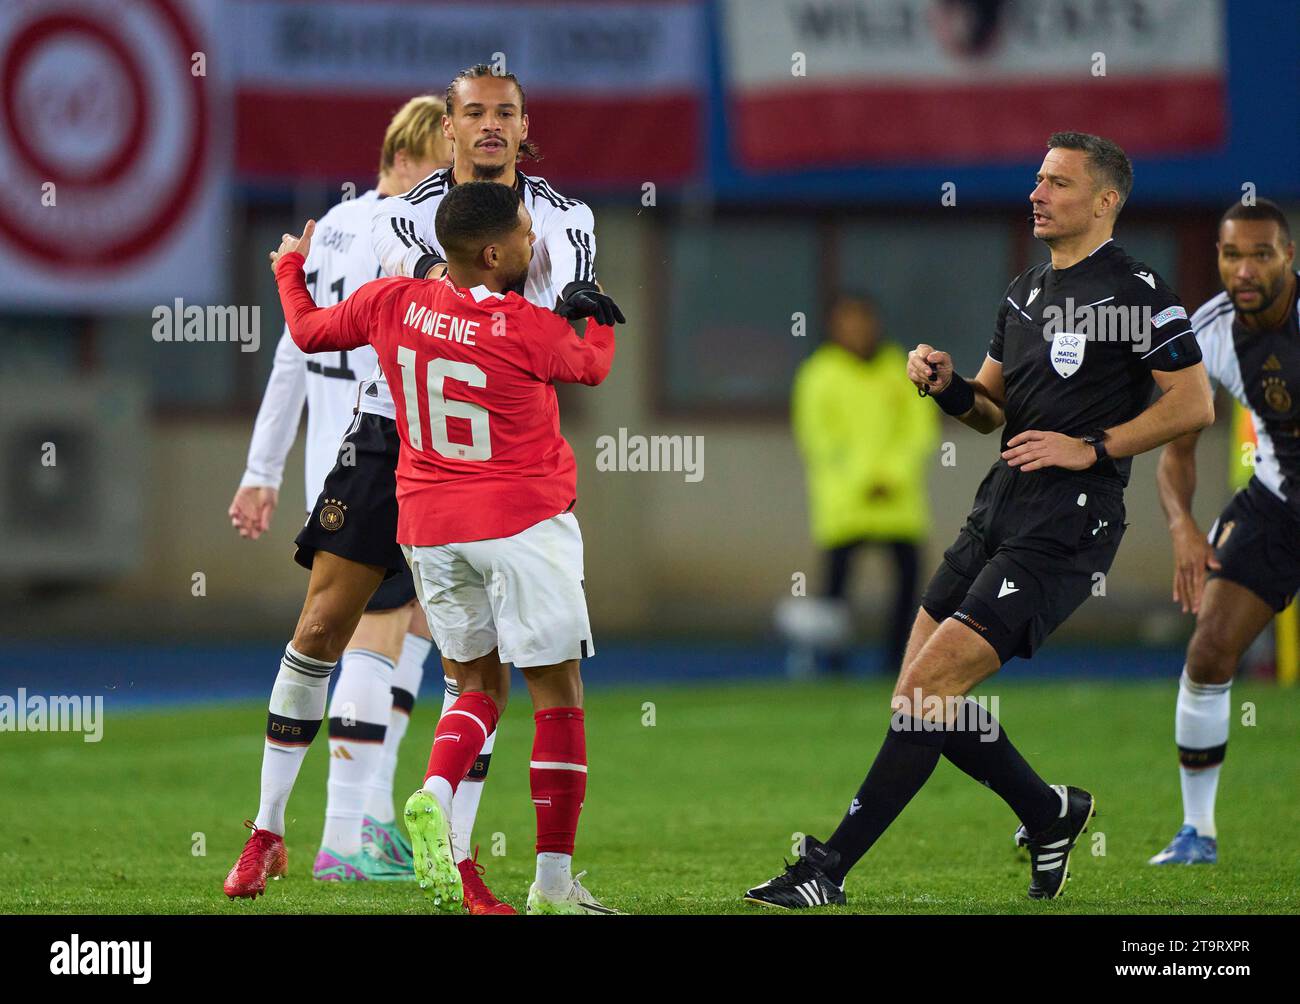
(1255, 367)
(402, 234)
(339, 262)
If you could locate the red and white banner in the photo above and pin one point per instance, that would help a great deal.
(110, 153)
(835, 82)
(613, 88)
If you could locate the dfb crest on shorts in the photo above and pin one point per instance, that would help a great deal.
(1067, 352)
(332, 514)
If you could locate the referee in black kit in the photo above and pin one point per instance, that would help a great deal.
(1080, 344)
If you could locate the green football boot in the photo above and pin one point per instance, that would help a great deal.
(435, 867)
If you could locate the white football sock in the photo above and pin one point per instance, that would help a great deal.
(1199, 790)
(358, 714)
(555, 874)
(440, 788)
(407, 676)
(1201, 732)
(464, 806)
(294, 715)
(450, 694)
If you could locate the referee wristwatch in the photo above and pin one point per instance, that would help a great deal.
(1097, 440)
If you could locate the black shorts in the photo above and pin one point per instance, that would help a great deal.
(1031, 552)
(1257, 541)
(355, 516)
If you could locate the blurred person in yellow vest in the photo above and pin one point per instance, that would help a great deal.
(865, 437)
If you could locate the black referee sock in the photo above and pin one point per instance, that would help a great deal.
(998, 765)
(901, 768)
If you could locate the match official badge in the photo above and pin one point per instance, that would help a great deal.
(332, 514)
(1067, 352)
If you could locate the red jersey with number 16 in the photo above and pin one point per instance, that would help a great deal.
(482, 456)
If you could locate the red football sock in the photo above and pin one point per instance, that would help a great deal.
(558, 774)
(462, 731)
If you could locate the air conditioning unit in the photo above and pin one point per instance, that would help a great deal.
(73, 461)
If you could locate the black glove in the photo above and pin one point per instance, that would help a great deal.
(584, 299)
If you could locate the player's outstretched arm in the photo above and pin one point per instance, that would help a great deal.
(345, 325)
(570, 240)
(274, 431)
(588, 299)
(289, 244)
(558, 353)
(1193, 555)
(977, 403)
(585, 360)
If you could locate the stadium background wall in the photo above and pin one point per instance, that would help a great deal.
(708, 351)
(664, 557)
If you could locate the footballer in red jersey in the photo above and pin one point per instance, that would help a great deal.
(486, 486)
(350, 539)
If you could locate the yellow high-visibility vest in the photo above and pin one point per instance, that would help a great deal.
(861, 426)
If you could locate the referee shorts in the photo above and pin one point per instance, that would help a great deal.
(1033, 548)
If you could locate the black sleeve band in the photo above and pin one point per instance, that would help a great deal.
(427, 262)
(578, 286)
(957, 398)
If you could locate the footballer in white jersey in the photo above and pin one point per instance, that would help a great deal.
(341, 260)
(564, 256)
(1247, 568)
(487, 119)
(382, 641)
(354, 521)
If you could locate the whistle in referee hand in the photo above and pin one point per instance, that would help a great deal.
(924, 391)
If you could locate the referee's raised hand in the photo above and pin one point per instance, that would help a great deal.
(929, 368)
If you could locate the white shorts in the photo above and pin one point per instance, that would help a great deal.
(522, 595)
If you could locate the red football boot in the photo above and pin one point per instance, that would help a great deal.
(478, 898)
(263, 857)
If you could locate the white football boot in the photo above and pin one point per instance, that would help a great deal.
(577, 901)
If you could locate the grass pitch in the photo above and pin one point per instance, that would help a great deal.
(682, 815)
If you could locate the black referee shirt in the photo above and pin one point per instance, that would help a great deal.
(1078, 344)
